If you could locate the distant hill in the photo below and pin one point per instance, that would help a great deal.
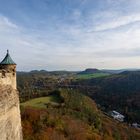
(90, 71)
(40, 72)
(117, 71)
(113, 71)
(109, 71)
(86, 71)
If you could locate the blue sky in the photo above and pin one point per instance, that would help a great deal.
(71, 34)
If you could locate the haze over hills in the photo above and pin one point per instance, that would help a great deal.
(86, 71)
(111, 71)
(90, 71)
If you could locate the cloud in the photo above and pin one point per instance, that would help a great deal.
(6, 25)
(85, 38)
(117, 22)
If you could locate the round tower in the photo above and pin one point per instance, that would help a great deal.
(10, 120)
(8, 70)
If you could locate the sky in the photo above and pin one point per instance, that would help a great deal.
(71, 34)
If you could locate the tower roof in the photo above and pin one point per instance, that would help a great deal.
(8, 60)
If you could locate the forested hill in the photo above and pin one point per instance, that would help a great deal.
(119, 91)
(67, 114)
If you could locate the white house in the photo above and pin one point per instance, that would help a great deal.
(116, 115)
(136, 125)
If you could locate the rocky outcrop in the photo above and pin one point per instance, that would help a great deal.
(10, 120)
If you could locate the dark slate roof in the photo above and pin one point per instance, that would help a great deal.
(8, 60)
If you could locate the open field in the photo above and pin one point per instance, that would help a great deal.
(42, 101)
(89, 76)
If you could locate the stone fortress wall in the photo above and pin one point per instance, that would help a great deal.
(10, 119)
(8, 75)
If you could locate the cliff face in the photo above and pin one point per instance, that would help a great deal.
(10, 120)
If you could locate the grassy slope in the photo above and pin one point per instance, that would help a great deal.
(42, 101)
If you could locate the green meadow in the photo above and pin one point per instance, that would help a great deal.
(42, 102)
(89, 76)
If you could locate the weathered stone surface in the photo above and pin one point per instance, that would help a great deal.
(10, 120)
(8, 77)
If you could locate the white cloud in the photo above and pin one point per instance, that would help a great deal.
(107, 39)
(6, 23)
(117, 22)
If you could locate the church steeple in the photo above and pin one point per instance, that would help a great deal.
(7, 60)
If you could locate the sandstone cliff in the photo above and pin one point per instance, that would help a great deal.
(10, 120)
